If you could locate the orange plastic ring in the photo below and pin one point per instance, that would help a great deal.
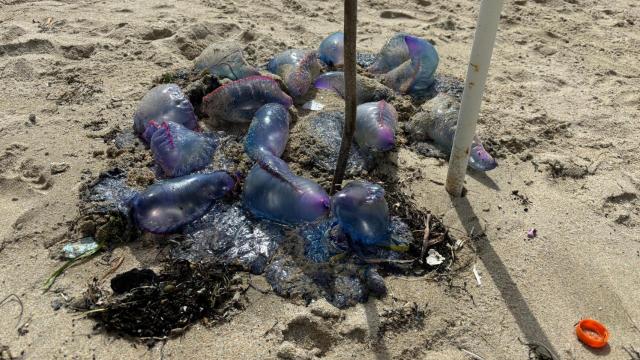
(592, 333)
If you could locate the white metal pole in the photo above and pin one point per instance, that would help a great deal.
(483, 42)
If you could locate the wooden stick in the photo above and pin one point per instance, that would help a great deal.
(350, 26)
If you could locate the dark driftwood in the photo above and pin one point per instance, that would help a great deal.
(350, 25)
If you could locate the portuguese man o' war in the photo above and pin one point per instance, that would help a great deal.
(268, 132)
(273, 192)
(424, 62)
(297, 69)
(166, 206)
(393, 54)
(367, 90)
(238, 101)
(363, 213)
(224, 60)
(178, 150)
(331, 51)
(479, 158)
(164, 102)
(438, 122)
(407, 64)
(376, 126)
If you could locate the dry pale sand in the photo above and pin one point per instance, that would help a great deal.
(560, 110)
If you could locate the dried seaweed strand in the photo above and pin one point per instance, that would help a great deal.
(15, 298)
(70, 263)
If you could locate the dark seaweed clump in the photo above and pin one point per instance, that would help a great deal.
(145, 304)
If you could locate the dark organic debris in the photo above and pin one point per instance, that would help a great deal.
(131, 279)
(179, 76)
(410, 316)
(403, 207)
(196, 90)
(428, 150)
(104, 201)
(568, 168)
(522, 198)
(448, 84)
(104, 218)
(161, 305)
(107, 194)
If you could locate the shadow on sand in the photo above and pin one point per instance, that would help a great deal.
(484, 179)
(373, 321)
(516, 303)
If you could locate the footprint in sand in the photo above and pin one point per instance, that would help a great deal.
(627, 98)
(35, 175)
(192, 39)
(306, 337)
(10, 33)
(625, 207)
(10, 156)
(26, 171)
(18, 69)
(16, 204)
(622, 203)
(30, 46)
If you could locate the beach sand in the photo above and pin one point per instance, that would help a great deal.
(560, 112)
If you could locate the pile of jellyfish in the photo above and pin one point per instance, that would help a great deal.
(189, 195)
